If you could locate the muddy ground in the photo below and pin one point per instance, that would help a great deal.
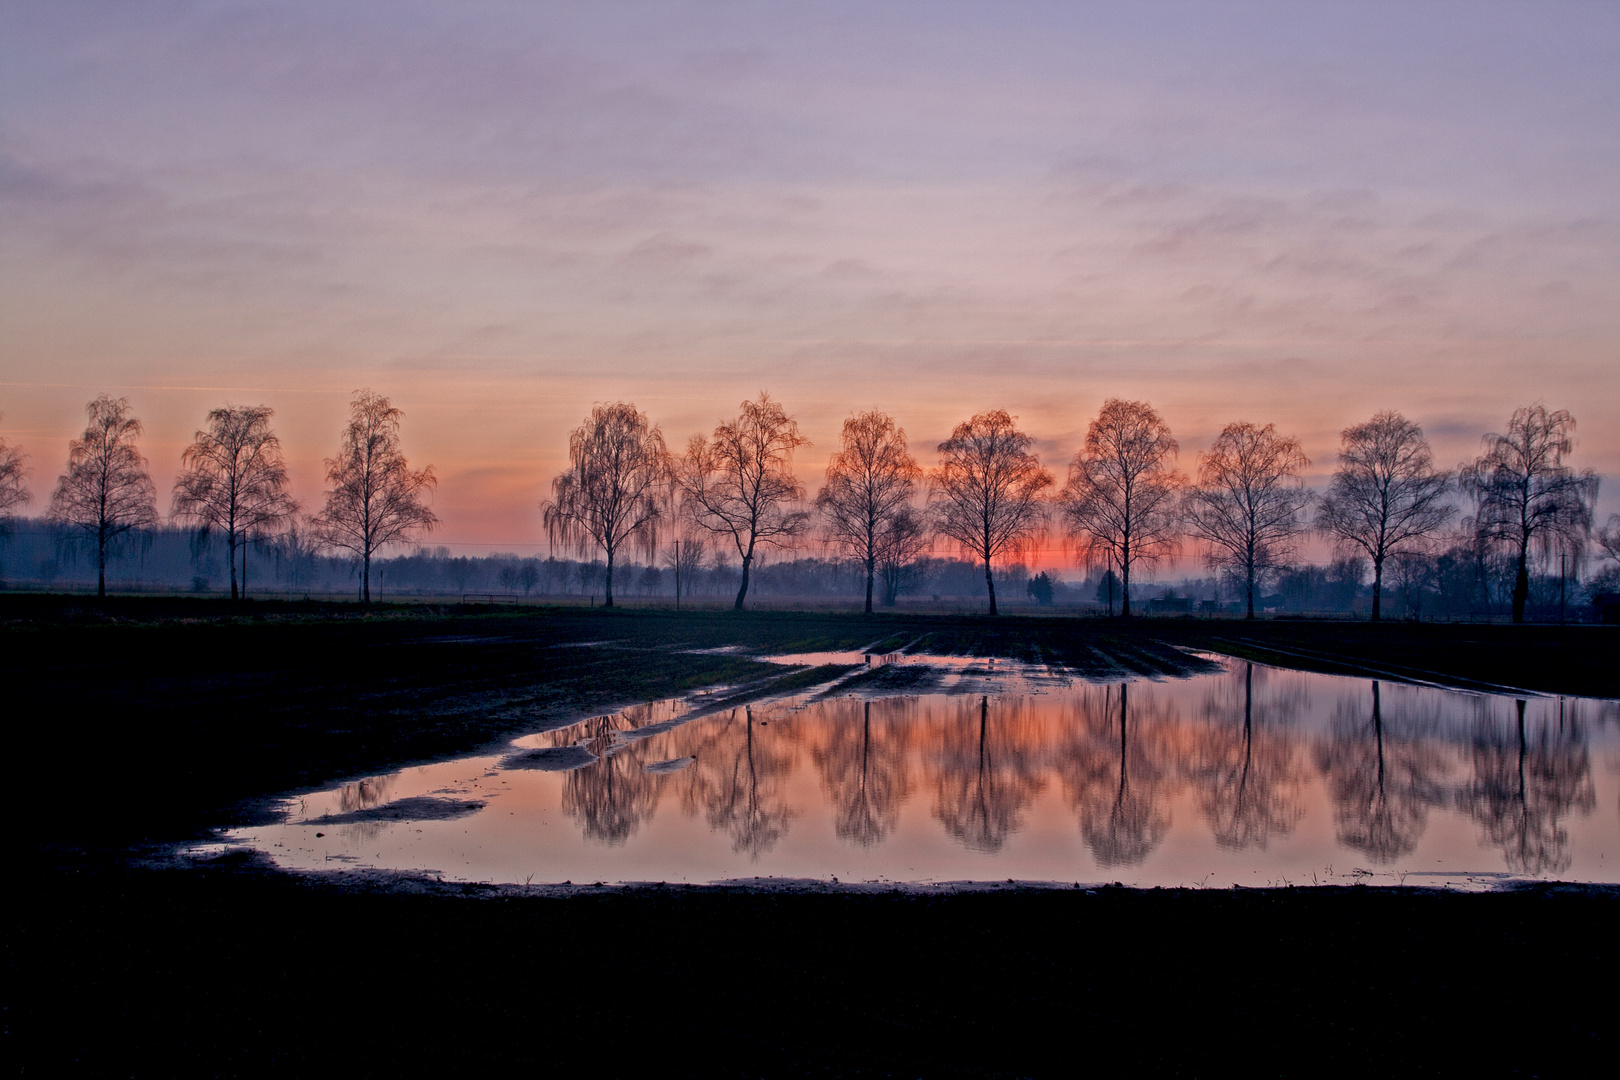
(146, 721)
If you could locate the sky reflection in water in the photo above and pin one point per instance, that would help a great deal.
(1251, 776)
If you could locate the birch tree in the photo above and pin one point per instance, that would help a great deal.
(739, 486)
(1120, 502)
(106, 491)
(1248, 502)
(233, 481)
(375, 497)
(1386, 497)
(988, 491)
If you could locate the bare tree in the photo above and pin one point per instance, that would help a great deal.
(741, 486)
(870, 482)
(616, 490)
(233, 480)
(902, 544)
(686, 556)
(13, 480)
(987, 491)
(1248, 501)
(1386, 497)
(1528, 498)
(1608, 538)
(106, 491)
(375, 497)
(1120, 502)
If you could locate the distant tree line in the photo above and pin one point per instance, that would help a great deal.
(1488, 535)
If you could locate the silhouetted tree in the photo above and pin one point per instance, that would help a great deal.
(686, 556)
(106, 491)
(1120, 501)
(1248, 501)
(14, 491)
(1040, 588)
(1527, 497)
(617, 487)
(901, 545)
(988, 490)
(1386, 497)
(1107, 588)
(233, 480)
(375, 497)
(870, 481)
(741, 484)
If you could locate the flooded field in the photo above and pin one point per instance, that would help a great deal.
(1248, 776)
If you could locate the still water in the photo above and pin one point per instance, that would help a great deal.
(1249, 776)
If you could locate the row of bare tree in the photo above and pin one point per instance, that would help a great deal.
(1125, 505)
(233, 482)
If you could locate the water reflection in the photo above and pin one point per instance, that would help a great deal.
(1247, 770)
(1525, 786)
(984, 774)
(738, 780)
(1254, 767)
(866, 777)
(1383, 778)
(1118, 772)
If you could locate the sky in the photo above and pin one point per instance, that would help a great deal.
(498, 214)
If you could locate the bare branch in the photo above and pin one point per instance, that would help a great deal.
(988, 490)
(375, 498)
(1120, 502)
(616, 490)
(1386, 498)
(106, 491)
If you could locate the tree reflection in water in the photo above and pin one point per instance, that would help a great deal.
(1248, 785)
(986, 775)
(1382, 782)
(866, 779)
(1119, 784)
(738, 780)
(1524, 787)
(613, 796)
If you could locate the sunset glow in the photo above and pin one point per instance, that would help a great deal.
(499, 214)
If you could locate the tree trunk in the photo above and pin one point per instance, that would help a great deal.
(365, 578)
(990, 584)
(1250, 614)
(871, 572)
(742, 591)
(1521, 586)
(1378, 588)
(608, 588)
(230, 552)
(101, 570)
(1125, 589)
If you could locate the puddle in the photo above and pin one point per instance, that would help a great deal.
(1251, 776)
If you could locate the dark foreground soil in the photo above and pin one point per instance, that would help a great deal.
(148, 721)
(227, 972)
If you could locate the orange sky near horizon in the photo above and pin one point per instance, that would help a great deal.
(500, 215)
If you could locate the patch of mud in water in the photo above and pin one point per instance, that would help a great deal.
(417, 808)
(550, 759)
(672, 765)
